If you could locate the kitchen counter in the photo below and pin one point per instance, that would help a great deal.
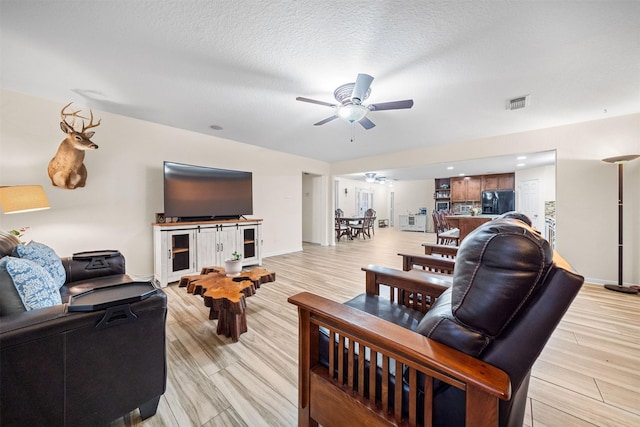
(467, 223)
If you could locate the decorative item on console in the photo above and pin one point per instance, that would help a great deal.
(233, 265)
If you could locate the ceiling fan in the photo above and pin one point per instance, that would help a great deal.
(350, 108)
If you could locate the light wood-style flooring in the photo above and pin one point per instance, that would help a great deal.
(588, 374)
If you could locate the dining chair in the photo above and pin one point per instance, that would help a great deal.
(341, 227)
(444, 234)
(372, 213)
(363, 228)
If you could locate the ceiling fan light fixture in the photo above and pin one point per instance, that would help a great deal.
(352, 112)
(370, 177)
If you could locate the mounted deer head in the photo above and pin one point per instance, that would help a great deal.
(66, 169)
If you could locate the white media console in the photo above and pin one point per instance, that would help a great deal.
(183, 248)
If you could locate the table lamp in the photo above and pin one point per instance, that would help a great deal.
(23, 198)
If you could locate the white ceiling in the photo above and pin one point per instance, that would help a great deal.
(239, 65)
(484, 166)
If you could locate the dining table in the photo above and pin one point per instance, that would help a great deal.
(348, 220)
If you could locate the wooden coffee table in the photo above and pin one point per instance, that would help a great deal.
(226, 296)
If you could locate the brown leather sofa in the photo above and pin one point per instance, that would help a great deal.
(60, 367)
(465, 351)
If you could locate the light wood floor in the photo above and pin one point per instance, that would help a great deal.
(586, 375)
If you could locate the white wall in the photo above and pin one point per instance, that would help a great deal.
(347, 202)
(124, 187)
(586, 188)
(410, 196)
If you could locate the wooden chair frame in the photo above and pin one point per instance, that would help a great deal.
(330, 395)
(432, 263)
(446, 251)
(342, 228)
(445, 235)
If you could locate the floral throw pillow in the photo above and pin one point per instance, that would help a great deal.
(34, 284)
(45, 257)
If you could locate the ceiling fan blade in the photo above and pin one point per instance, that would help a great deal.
(361, 87)
(394, 105)
(314, 101)
(327, 120)
(366, 123)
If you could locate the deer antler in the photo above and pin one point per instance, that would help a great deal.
(75, 115)
(90, 125)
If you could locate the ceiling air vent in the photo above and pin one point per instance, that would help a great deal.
(518, 103)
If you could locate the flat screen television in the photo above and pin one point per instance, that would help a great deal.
(197, 193)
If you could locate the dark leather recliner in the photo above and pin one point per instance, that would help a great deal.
(509, 292)
(59, 368)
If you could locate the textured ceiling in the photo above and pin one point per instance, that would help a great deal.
(239, 65)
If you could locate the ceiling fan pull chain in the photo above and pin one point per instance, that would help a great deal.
(353, 132)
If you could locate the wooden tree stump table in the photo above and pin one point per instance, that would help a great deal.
(258, 275)
(227, 301)
(226, 296)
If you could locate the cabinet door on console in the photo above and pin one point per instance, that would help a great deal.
(207, 247)
(229, 237)
(180, 260)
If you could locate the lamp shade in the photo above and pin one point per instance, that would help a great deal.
(621, 159)
(23, 198)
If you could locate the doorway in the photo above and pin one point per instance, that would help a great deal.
(364, 200)
(391, 209)
(529, 203)
(314, 208)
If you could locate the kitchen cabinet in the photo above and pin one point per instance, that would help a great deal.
(185, 248)
(467, 189)
(458, 190)
(443, 189)
(504, 181)
(474, 188)
(442, 194)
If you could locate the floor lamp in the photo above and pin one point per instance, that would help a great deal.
(620, 161)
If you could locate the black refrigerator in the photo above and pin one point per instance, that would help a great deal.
(497, 202)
